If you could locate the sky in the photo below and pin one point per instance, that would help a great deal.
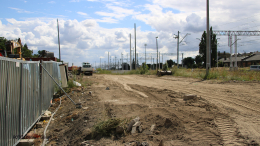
(89, 29)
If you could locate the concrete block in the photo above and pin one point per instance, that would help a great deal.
(189, 97)
(39, 125)
(26, 142)
(45, 118)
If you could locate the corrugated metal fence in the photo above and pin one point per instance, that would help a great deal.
(24, 96)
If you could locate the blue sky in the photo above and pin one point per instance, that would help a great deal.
(90, 29)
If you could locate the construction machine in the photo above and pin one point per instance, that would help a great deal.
(11, 45)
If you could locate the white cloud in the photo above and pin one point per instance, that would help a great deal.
(82, 13)
(52, 2)
(20, 10)
(107, 20)
(75, 1)
(117, 12)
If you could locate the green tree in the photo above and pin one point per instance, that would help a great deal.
(198, 60)
(26, 52)
(202, 48)
(39, 54)
(189, 61)
(2, 43)
(170, 63)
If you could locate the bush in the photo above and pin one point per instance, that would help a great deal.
(71, 84)
(105, 128)
(144, 69)
(165, 67)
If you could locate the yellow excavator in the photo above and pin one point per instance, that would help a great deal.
(10, 46)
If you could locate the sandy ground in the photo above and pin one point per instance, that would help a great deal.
(225, 113)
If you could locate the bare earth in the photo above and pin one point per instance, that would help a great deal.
(225, 113)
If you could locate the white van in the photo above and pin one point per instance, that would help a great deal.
(255, 67)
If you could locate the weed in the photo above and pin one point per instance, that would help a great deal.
(143, 69)
(71, 84)
(106, 127)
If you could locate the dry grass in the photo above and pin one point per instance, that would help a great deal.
(221, 73)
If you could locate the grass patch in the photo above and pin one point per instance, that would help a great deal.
(71, 84)
(108, 127)
(222, 73)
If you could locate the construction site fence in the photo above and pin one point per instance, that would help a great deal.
(26, 91)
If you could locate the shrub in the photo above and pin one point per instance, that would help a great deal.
(144, 69)
(165, 67)
(106, 127)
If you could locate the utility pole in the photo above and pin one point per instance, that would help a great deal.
(59, 38)
(130, 54)
(100, 63)
(135, 48)
(157, 53)
(162, 58)
(115, 62)
(182, 60)
(159, 61)
(207, 42)
(231, 46)
(217, 52)
(95, 65)
(108, 61)
(178, 45)
(153, 63)
(137, 60)
(236, 51)
(145, 52)
(178, 38)
(122, 60)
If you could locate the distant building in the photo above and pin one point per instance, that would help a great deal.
(243, 60)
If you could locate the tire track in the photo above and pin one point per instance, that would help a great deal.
(246, 105)
(228, 131)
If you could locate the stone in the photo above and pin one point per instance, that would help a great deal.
(47, 113)
(152, 128)
(26, 142)
(157, 132)
(85, 108)
(161, 143)
(167, 123)
(145, 143)
(39, 125)
(150, 137)
(130, 125)
(138, 123)
(189, 97)
(45, 118)
(133, 130)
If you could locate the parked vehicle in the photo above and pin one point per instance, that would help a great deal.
(86, 69)
(255, 67)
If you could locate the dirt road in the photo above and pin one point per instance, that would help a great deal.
(224, 113)
(240, 101)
